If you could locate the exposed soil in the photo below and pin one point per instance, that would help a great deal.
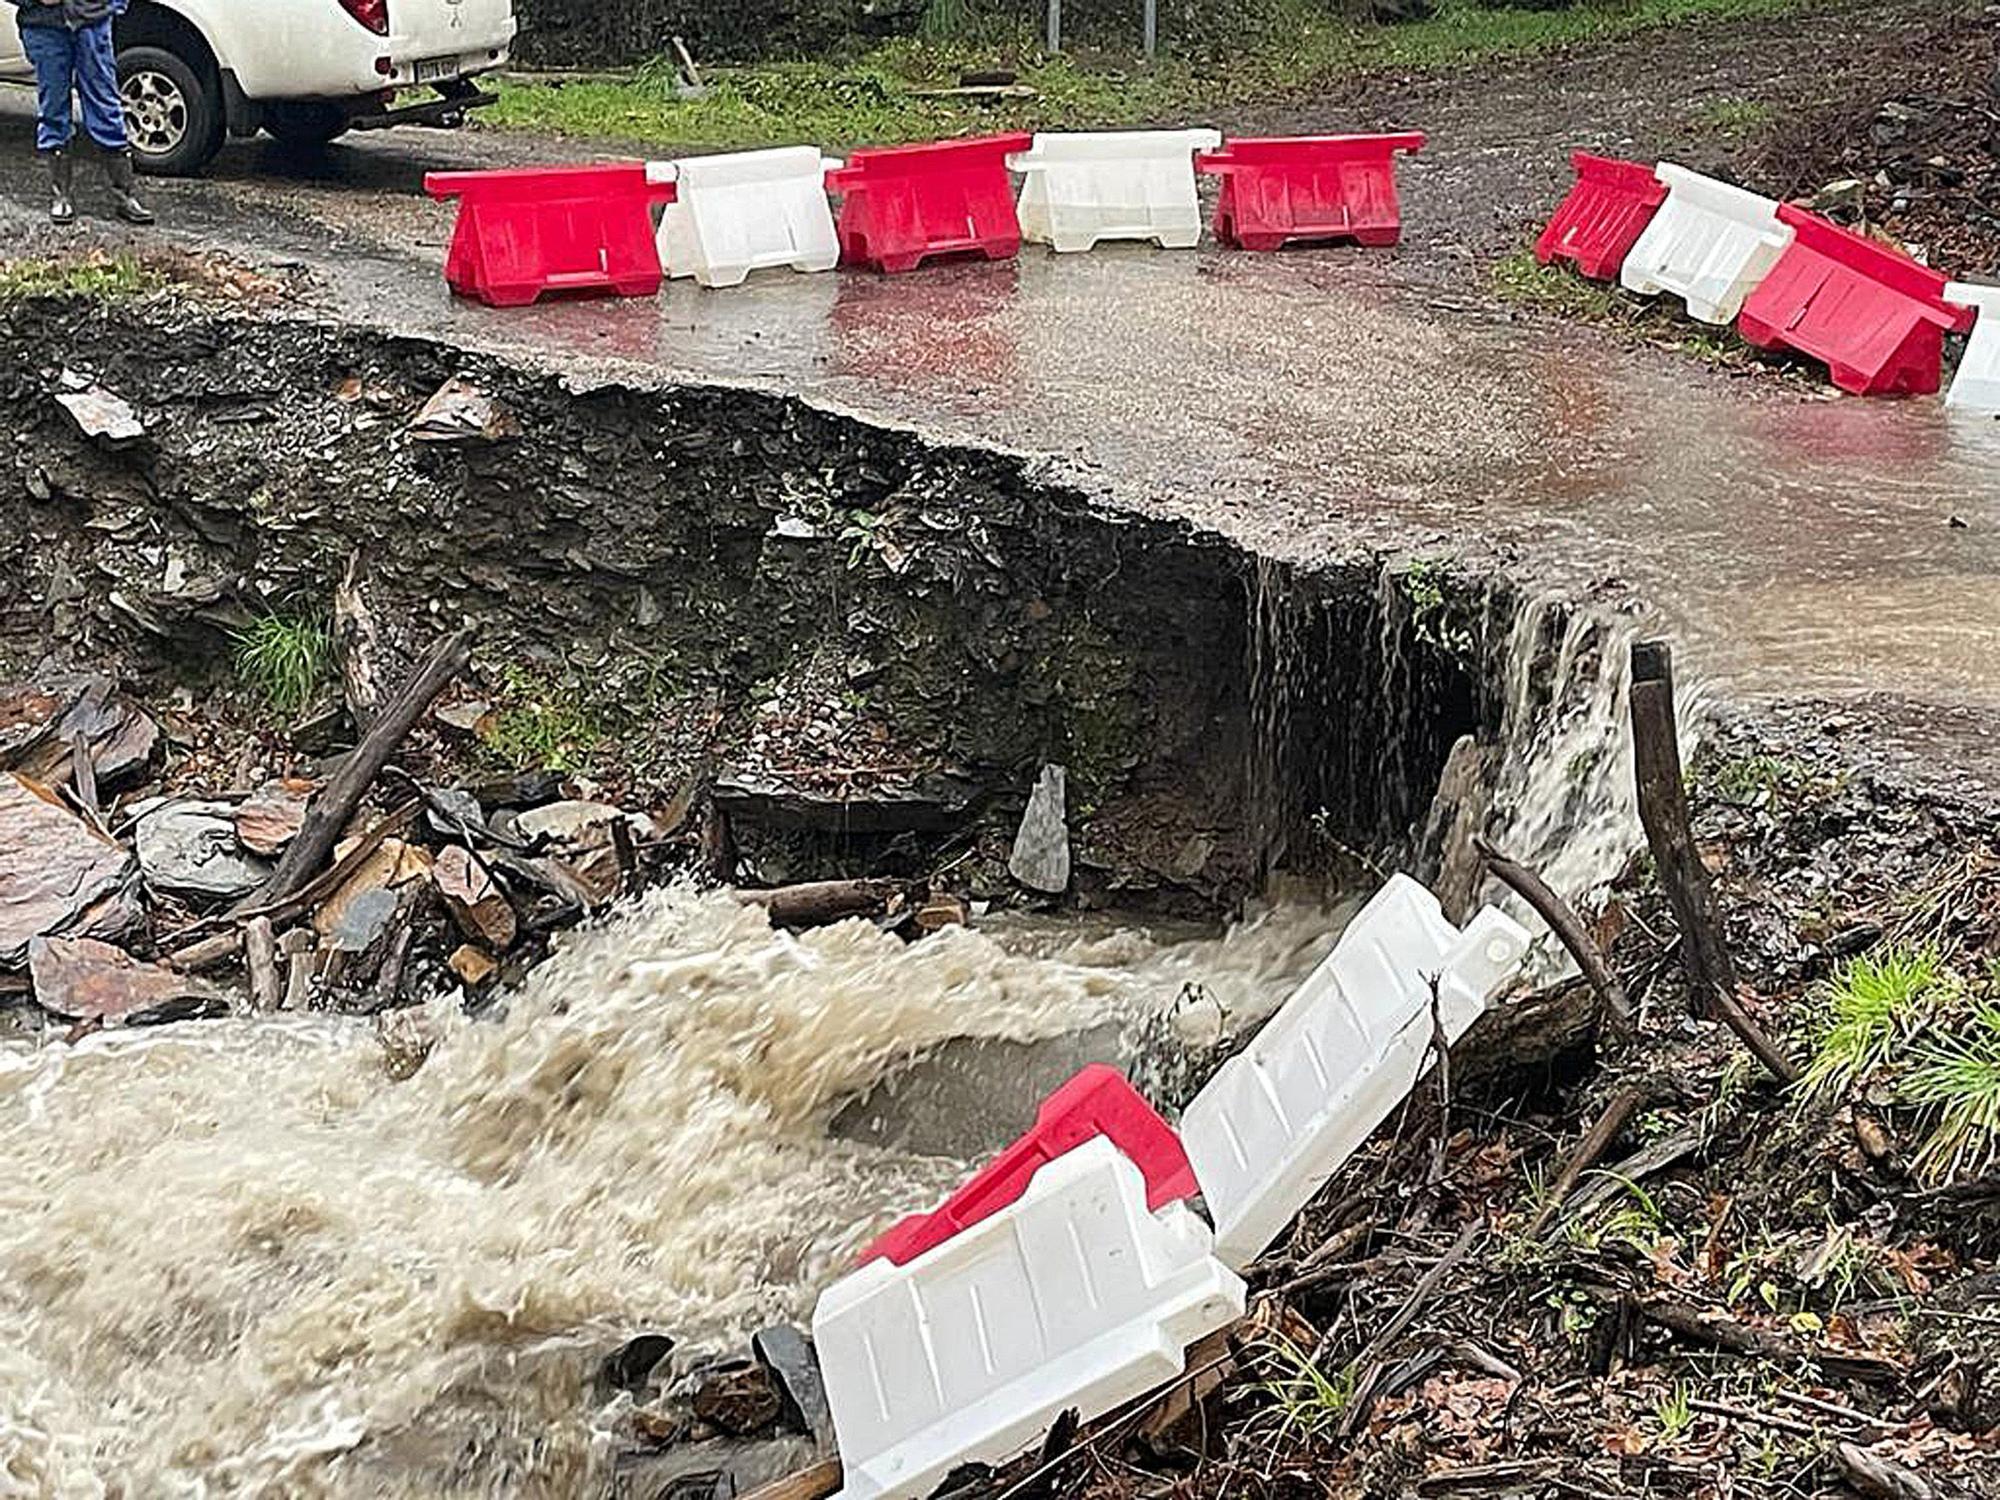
(862, 646)
(1784, 105)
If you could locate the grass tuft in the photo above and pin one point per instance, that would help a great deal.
(1957, 1080)
(543, 727)
(1306, 1402)
(1869, 1011)
(1673, 1413)
(98, 276)
(285, 659)
(1734, 117)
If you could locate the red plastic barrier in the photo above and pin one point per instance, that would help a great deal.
(1872, 315)
(1602, 218)
(902, 205)
(1098, 1101)
(1309, 187)
(524, 233)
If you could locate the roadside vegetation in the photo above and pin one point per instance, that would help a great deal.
(889, 93)
(97, 275)
(1522, 281)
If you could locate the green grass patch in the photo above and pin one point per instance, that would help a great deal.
(97, 276)
(877, 98)
(1734, 117)
(285, 659)
(543, 726)
(1526, 282)
(1870, 1011)
(1304, 1401)
(1956, 1080)
(1757, 780)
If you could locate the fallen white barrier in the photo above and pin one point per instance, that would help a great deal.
(1976, 387)
(1086, 186)
(1710, 244)
(746, 211)
(1073, 1297)
(1281, 1117)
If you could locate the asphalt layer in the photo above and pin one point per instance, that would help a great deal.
(1806, 549)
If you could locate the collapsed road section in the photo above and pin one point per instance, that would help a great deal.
(438, 689)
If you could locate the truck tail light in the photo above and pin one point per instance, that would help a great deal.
(374, 14)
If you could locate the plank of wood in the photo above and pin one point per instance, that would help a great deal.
(815, 1483)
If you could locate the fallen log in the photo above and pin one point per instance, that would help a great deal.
(335, 806)
(1528, 1033)
(818, 903)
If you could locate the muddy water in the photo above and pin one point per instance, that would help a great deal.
(241, 1257)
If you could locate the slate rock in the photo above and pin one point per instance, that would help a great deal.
(272, 817)
(1040, 860)
(58, 876)
(83, 979)
(190, 849)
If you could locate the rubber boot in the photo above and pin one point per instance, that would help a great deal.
(125, 187)
(62, 184)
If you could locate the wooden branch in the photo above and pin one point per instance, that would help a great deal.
(335, 806)
(820, 902)
(815, 1483)
(1419, 1295)
(1663, 809)
(1768, 1052)
(357, 644)
(1568, 928)
(1594, 1144)
(1641, 1164)
(260, 956)
(1722, 1333)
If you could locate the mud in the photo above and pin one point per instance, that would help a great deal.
(712, 576)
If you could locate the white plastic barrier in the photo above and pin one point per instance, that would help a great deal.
(1976, 387)
(1710, 244)
(1281, 1117)
(1074, 1296)
(1087, 186)
(746, 211)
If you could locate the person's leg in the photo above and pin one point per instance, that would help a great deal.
(49, 50)
(97, 86)
(104, 117)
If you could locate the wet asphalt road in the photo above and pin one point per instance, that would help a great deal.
(1803, 546)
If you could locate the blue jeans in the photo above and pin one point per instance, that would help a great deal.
(86, 61)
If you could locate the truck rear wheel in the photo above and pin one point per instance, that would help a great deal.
(306, 124)
(173, 112)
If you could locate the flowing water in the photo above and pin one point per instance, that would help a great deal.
(244, 1257)
(318, 1256)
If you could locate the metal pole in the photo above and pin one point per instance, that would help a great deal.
(1152, 27)
(1055, 25)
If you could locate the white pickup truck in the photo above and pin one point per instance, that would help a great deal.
(194, 72)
